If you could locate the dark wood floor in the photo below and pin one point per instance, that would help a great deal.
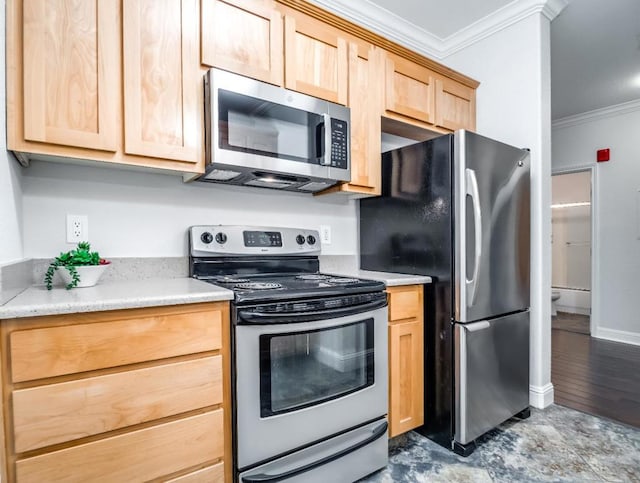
(571, 322)
(596, 376)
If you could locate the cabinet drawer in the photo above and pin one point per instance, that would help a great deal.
(151, 452)
(210, 474)
(112, 340)
(56, 413)
(405, 302)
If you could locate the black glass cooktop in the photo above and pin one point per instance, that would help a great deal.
(275, 287)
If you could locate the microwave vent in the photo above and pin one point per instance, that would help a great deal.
(222, 175)
(314, 186)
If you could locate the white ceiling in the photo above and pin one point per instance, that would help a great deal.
(442, 18)
(595, 56)
(595, 45)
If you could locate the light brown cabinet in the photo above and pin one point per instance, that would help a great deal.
(406, 359)
(71, 73)
(141, 394)
(162, 108)
(244, 37)
(365, 93)
(66, 62)
(121, 82)
(316, 59)
(409, 91)
(455, 105)
(416, 95)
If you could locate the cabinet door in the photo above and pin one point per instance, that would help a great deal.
(406, 381)
(365, 91)
(455, 105)
(406, 358)
(409, 90)
(244, 37)
(162, 80)
(72, 73)
(316, 60)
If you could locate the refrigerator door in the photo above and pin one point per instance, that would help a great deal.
(491, 194)
(491, 373)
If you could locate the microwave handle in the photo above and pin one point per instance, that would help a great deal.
(325, 159)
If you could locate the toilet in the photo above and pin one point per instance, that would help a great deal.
(554, 297)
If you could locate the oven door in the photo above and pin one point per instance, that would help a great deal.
(299, 382)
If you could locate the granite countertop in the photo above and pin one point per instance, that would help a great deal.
(389, 279)
(37, 300)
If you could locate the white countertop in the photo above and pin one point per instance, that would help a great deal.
(37, 300)
(389, 279)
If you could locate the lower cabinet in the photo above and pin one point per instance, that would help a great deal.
(406, 358)
(127, 395)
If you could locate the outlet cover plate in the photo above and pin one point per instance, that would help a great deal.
(77, 228)
(325, 234)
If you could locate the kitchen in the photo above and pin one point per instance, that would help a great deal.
(146, 214)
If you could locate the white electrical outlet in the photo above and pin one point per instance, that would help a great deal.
(325, 234)
(77, 228)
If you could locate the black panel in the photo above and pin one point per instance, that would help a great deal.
(409, 230)
(438, 364)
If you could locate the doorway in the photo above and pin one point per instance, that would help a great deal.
(571, 247)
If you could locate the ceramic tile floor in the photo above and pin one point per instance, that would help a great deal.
(556, 444)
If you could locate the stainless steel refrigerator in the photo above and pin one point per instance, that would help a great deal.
(457, 207)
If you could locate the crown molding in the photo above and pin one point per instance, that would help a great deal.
(499, 20)
(597, 114)
(400, 30)
(387, 24)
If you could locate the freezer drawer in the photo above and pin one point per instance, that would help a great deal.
(491, 373)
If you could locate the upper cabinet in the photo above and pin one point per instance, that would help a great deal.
(106, 81)
(244, 37)
(121, 81)
(71, 73)
(455, 105)
(409, 91)
(417, 95)
(366, 82)
(316, 59)
(162, 108)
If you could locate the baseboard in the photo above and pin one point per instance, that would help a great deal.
(616, 335)
(541, 396)
(573, 310)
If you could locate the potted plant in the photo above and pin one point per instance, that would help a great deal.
(80, 267)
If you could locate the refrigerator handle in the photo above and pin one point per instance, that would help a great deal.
(472, 191)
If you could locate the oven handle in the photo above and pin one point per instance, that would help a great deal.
(260, 318)
(263, 478)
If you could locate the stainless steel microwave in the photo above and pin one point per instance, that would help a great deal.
(258, 134)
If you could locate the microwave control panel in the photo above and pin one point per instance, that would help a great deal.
(339, 144)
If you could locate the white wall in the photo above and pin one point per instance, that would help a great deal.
(10, 178)
(134, 214)
(513, 105)
(616, 211)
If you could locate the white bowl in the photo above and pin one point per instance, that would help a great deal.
(89, 274)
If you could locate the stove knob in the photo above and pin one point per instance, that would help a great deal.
(221, 238)
(206, 237)
(311, 240)
(300, 239)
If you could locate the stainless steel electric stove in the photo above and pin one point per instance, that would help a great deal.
(309, 356)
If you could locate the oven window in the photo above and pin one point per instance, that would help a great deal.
(301, 369)
(255, 126)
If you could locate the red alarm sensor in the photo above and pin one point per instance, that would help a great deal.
(603, 155)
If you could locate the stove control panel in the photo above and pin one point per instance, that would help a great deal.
(227, 240)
